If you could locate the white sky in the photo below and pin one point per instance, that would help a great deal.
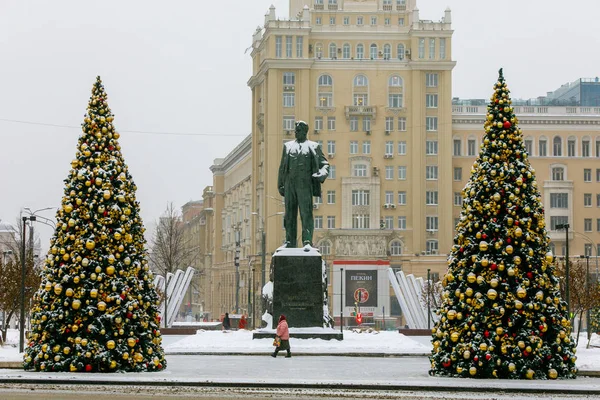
(172, 66)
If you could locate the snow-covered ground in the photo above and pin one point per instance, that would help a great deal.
(241, 342)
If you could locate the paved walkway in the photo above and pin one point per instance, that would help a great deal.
(365, 373)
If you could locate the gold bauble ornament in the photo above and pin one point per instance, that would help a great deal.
(84, 342)
(101, 306)
(94, 293)
(518, 232)
(76, 304)
(111, 345)
(57, 290)
(512, 367)
(90, 244)
(492, 294)
(521, 293)
(451, 314)
(130, 342)
(117, 236)
(110, 270)
(483, 246)
(85, 262)
(529, 374)
(69, 292)
(467, 355)
(138, 357)
(509, 249)
(473, 371)
(471, 277)
(68, 208)
(125, 356)
(549, 257)
(517, 260)
(552, 374)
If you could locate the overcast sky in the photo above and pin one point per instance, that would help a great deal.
(179, 66)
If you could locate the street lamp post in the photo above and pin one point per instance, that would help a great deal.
(566, 228)
(587, 291)
(342, 300)
(428, 297)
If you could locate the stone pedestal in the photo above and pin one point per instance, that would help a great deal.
(298, 288)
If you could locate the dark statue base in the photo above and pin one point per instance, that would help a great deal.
(298, 288)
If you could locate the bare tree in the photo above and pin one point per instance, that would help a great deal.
(584, 295)
(169, 250)
(10, 274)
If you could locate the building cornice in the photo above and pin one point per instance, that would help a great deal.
(239, 153)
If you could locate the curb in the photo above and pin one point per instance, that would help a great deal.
(454, 387)
(299, 354)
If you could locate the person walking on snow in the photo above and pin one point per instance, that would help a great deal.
(283, 333)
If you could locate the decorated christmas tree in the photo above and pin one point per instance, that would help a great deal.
(96, 308)
(502, 314)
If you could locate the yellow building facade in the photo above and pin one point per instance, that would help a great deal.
(373, 81)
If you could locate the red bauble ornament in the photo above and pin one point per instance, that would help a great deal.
(529, 275)
(446, 364)
(493, 267)
(516, 222)
(488, 356)
(486, 334)
(484, 236)
(526, 353)
(507, 124)
(88, 368)
(508, 240)
(476, 358)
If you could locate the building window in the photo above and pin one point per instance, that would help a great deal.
(346, 20)
(442, 48)
(401, 21)
(331, 123)
(373, 51)
(289, 99)
(359, 170)
(558, 174)
(320, 143)
(431, 80)
(585, 148)
(331, 146)
(346, 51)
(331, 20)
(289, 122)
(571, 147)
(389, 124)
(598, 176)
(529, 146)
(360, 51)
(431, 124)
(318, 123)
(359, 20)
(389, 147)
(587, 199)
(587, 224)
(597, 147)
(367, 147)
(289, 79)
(471, 147)
(557, 146)
(402, 198)
(318, 200)
(396, 248)
(421, 48)
(360, 221)
(431, 100)
(361, 99)
(401, 172)
(373, 20)
(366, 124)
(395, 100)
(543, 148)
(431, 172)
(389, 197)
(332, 51)
(389, 172)
(325, 247)
(353, 147)
(331, 172)
(431, 223)
(587, 175)
(402, 148)
(456, 147)
(431, 49)
(400, 50)
(432, 247)
(402, 223)
(331, 222)
(299, 46)
(598, 200)
(331, 197)
(431, 198)
(353, 124)
(458, 199)
(325, 91)
(402, 124)
(598, 224)
(318, 21)
(319, 49)
(278, 46)
(557, 220)
(389, 222)
(387, 50)
(318, 222)
(289, 46)
(559, 200)
(587, 249)
(457, 173)
(431, 147)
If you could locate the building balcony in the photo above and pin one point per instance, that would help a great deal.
(361, 111)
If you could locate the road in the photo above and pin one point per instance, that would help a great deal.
(262, 377)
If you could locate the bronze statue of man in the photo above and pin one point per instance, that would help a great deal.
(302, 170)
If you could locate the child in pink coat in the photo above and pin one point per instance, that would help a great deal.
(283, 333)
